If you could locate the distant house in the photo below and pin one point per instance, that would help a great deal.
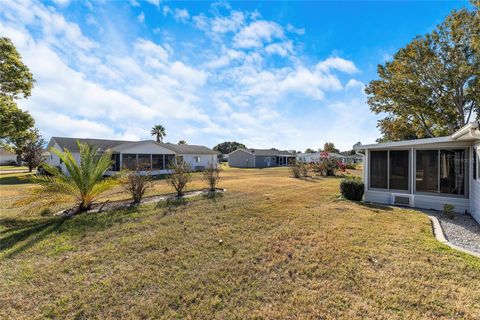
(7, 157)
(315, 157)
(259, 158)
(146, 155)
(426, 173)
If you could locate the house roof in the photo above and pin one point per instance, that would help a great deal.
(188, 148)
(469, 132)
(265, 152)
(5, 152)
(103, 144)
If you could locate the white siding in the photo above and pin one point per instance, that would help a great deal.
(7, 158)
(475, 192)
(205, 160)
(54, 160)
(420, 201)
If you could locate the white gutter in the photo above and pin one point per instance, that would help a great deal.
(469, 129)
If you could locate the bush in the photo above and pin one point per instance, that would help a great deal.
(351, 166)
(136, 183)
(298, 169)
(211, 175)
(449, 210)
(180, 177)
(352, 189)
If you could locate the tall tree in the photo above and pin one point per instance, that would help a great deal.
(32, 148)
(158, 131)
(182, 142)
(228, 146)
(16, 82)
(330, 147)
(432, 86)
(309, 150)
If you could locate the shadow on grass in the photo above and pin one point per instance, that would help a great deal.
(213, 196)
(171, 205)
(26, 233)
(375, 207)
(15, 179)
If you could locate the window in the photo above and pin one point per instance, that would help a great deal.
(399, 160)
(157, 162)
(427, 170)
(196, 159)
(452, 171)
(379, 169)
(169, 160)
(144, 162)
(129, 161)
(116, 162)
(441, 171)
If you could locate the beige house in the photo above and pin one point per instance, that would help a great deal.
(7, 157)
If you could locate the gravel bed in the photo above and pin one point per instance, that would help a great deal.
(462, 231)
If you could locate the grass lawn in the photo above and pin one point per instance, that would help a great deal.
(10, 168)
(290, 249)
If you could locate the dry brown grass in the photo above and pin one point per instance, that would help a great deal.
(291, 250)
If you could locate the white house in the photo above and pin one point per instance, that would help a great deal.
(315, 157)
(7, 157)
(149, 155)
(426, 173)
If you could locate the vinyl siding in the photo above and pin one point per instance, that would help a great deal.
(205, 160)
(241, 159)
(420, 201)
(260, 161)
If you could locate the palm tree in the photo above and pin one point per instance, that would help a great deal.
(182, 142)
(159, 131)
(83, 182)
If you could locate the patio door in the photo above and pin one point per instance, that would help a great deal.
(268, 161)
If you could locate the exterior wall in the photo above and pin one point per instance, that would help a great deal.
(436, 202)
(205, 160)
(241, 159)
(420, 201)
(54, 160)
(475, 190)
(261, 161)
(7, 158)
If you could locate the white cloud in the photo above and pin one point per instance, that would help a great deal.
(181, 14)
(335, 63)
(141, 17)
(292, 29)
(257, 33)
(281, 48)
(154, 2)
(62, 3)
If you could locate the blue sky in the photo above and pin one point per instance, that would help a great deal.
(288, 75)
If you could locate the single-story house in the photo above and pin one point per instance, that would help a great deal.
(315, 157)
(148, 155)
(426, 173)
(259, 158)
(7, 157)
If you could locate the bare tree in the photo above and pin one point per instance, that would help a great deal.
(180, 176)
(211, 175)
(136, 183)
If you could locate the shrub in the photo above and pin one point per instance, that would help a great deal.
(211, 175)
(136, 183)
(449, 210)
(351, 166)
(180, 176)
(298, 169)
(352, 189)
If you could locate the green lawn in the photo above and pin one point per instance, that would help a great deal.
(290, 249)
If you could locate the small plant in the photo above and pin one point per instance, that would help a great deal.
(211, 175)
(352, 189)
(136, 183)
(295, 169)
(304, 169)
(449, 210)
(180, 176)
